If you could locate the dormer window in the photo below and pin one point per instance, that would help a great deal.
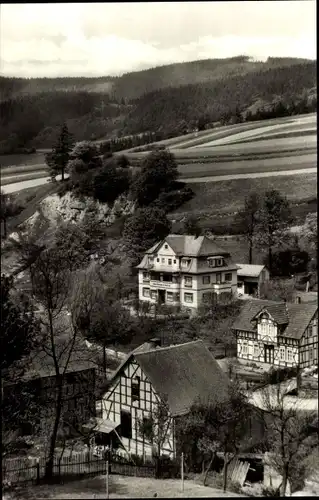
(215, 261)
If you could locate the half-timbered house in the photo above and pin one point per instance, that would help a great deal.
(180, 375)
(278, 333)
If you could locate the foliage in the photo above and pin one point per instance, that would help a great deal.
(210, 428)
(249, 219)
(110, 182)
(292, 436)
(8, 208)
(158, 172)
(278, 290)
(18, 326)
(290, 262)
(273, 220)
(192, 227)
(144, 228)
(58, 159)
(174, 198)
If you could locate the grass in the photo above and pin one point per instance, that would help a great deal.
(120, 487)
(21, 159)
(25, 177)
(20, 169)
(227, 197)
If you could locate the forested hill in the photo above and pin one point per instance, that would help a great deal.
(11, 87)
(222, 98)
(136, 84)
(96, 108)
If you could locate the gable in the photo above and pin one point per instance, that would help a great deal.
(166, 249)
(120, 392)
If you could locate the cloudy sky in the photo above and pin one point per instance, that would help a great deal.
(113, 38)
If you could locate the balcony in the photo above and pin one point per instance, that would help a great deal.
(222, 286)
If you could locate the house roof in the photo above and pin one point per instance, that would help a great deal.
(184, 373)
(296, 317)
(249, 270)
(191, 246)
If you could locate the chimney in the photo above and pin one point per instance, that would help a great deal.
(154, 343)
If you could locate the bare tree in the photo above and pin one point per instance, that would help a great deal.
(51, 281)
(216, 428)
(155, 429)
(291, 433)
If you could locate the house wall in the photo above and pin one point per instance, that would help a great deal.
(119, 398)
(308, 344)
(251, 346)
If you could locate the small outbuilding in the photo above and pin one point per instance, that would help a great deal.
(250, 277)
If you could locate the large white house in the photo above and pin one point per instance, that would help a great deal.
(186, 271)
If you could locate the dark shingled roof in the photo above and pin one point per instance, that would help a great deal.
(296, 316)
(190, 246)
(184, 373)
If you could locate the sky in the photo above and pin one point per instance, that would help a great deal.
(101, 39)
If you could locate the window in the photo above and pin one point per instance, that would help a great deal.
(186, 262)
(157, 260)
(211, 262)
(188, 297)
(256, 351)
(219, 262)
(163, 260)
(126, 424)
(240, 284)
(289, 355)
(228, 277)
(218, 277)
(245, 348)
(169, 262)
(169, 296)
(174, 261)
(188, 281)
(146, 276)
(310, 354)
(166, 246)
(153, 294)
(282, 352)
(177, 297)
(206, 280)
(136, 389)
(146, 292)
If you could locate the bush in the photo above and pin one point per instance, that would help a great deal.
(171, 200)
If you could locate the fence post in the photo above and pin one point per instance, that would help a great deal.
(38, 470)
(182, 471)
(107, 479)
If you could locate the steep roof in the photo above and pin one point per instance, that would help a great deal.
(296, 317)
(184, 373)
(191, 246)
(249, 270)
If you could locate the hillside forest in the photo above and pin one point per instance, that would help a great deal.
(159, 103)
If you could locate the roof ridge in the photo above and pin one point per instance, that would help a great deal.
(157, 349)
